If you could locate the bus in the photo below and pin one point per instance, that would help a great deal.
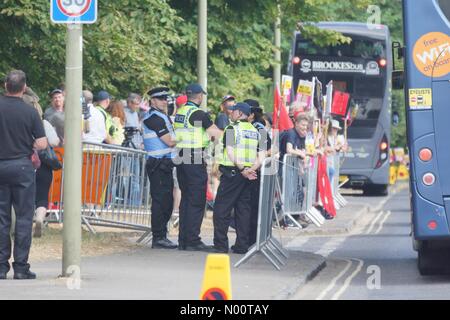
(427, 92)
(362, 68)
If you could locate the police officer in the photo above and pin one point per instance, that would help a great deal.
(159, 141)
(239, 165)
(21, 130)
(193, 128)
(256, 118)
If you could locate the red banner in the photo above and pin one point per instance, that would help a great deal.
(323, 182)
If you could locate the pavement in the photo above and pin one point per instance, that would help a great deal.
(145, 273)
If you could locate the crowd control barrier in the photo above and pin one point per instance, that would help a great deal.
(299, 189)
(115, 188)
(339, 200)
(265, 242)
(292, 186)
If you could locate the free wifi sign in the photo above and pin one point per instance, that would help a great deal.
(431, 54)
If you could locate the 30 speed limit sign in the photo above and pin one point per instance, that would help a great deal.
(73, 11)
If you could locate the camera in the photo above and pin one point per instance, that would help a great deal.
(129, 133)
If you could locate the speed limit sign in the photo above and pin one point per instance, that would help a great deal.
(73, 11)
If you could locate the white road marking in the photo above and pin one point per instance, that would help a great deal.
(374, 221)
(334, 281)
(347, 282)
(330, 246)
(383, 221)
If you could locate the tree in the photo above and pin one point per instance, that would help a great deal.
(128, 49)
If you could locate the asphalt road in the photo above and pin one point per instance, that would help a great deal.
(376, 261)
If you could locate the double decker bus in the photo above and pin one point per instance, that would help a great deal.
(362, 68)
(427, 75)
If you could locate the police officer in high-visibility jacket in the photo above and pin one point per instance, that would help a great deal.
(159, 142)
(265, 143)
(193, 128)
(241, 160)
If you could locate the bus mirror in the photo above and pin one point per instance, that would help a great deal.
(395, 119)
(397, 80)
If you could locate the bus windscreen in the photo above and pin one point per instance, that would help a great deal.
(358, 48)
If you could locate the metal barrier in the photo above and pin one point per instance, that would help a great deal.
(115, 188)
(299, 187)
(338, 198)
(265, 243)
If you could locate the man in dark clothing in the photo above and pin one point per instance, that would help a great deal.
(293, 142)
(194, 129)
(22, 131)
(223, 118)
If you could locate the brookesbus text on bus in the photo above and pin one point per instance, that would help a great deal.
(363, 69)
(427, 66)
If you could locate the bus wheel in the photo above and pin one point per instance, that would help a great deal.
(428, 260)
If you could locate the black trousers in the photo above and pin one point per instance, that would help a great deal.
(17, 189)
(234, 192)
(254, 204)
(161, 190)
(44, 177)
(192, 179)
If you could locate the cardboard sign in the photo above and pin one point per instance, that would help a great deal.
(340, 103)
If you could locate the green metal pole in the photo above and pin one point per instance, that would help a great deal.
(73, 152)
(277, 57)
(202, 53)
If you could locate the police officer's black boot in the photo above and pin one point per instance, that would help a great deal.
(26, 275)
(163, 243)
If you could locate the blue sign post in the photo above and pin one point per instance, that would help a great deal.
(73, 11)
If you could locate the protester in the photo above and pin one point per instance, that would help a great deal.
(116, 110)
(94, 130)
(21, 130)
(55, 113)
(223, 118)
(44, 174)
(132, 118)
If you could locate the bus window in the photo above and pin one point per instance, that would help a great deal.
(365, 124)
(445, 7)
(364, 87)
(305, 47)
(358, 48)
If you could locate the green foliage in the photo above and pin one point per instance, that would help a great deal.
(142, 43)
(128, 49)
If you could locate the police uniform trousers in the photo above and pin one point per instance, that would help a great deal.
(159, 172)
(18, 189)
(233, 193)
(192, 179)
(254, 204)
